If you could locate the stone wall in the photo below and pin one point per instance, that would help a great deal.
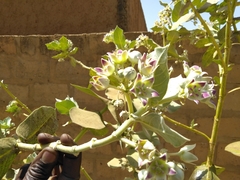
(24, 17)
(36, 79)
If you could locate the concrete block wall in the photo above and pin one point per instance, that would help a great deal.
(36, 79)
(72, 16)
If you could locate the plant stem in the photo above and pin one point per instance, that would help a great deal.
(185, 127)
(209, 32)
(128, 142)
(80, 63)
(222, 89)
(85, 173)
(81, 133)
(5, 88)
(94, 143)
(129, 102)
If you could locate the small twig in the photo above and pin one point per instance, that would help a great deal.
(85, 173)
(5, 88)
(81, 133)
(186, 127)
(235, 89)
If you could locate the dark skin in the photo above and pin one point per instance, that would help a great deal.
(51, 164)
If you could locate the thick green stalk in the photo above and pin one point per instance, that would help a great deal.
(223, 83)
(94, 143)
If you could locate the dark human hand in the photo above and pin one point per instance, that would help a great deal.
(51, 164)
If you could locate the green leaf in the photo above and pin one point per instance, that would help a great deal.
(172, 51)
(40, 120)
(163, 4)
(132, 44)
(30, 158)
(99, 132)
(183, 19)
(89, 92)
(202, 42)
(117, 163)
(234, 148)
(156, 123)
(61, 55)
(216, 80)
(8, 152)
(172, 36)
(179, 10)
(198, 3)
(201, 6)
(173, 90)
(151, 43)
(156, 29)
(207, 58)
(119, 38)
(219, 170)
(6, 123)
(73, 51)
(73, 61)
(54, 45)
(173, 106)
(112, 110)
(13, 107)
(65, 43)
(161, 75)
(86, 119)
(114, 94)
(221, 34)
(133, 159)
(63, 106)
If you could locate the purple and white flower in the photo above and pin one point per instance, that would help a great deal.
(100, 82)
(142, 88)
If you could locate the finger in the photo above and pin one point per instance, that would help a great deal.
(71, 164)
(44, 138)
(67, 140)
(22, 171)
(42, 166)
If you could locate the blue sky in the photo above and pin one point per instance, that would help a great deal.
(152, 7)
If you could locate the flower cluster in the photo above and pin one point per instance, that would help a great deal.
(197, 87)
(128, 71)
(157, 164)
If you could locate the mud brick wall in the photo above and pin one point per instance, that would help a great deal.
(71, 16)
(36, 79)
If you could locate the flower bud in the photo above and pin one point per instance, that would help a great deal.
(120, 73)
(100, 82)
(129, 73)
(134, 56)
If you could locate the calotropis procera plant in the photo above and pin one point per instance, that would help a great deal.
(139, 89)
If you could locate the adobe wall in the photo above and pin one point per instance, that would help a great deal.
(24, 17)
(36, 79)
